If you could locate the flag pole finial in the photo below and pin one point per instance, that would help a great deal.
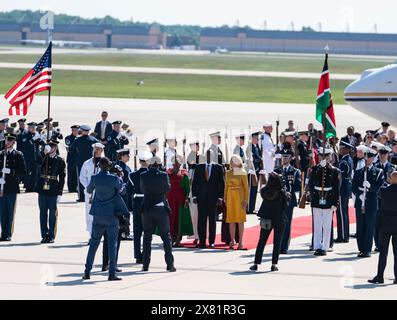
(326, 48)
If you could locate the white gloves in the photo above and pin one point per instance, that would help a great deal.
(251, 172)
(323, 163)
(47, 149)
(361, 197)
(333, 208)
(2, 181)
(278, 156)
(6, 170)
(59, 199)
(366, 184)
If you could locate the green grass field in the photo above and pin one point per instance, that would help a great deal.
(235, 61)
(188, 87)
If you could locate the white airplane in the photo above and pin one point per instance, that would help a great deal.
(60, 43)
(375, 93)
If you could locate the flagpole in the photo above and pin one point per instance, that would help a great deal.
(326, 49)
(48, 113)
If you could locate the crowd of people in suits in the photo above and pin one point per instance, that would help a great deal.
(178, 194)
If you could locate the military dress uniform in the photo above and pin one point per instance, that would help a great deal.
(82, 147)
(291, 181)
(366, 213)
(255, 167)
(71, 158)
(32, 144)
(116, 141)
(13, 169)
(345, 166)
(137, 202)
(50, 187)
(324, 191)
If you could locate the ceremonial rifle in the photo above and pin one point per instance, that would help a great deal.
(165, 151)
(3, 175)
(278, 160)
(184, 151)
(136, 154)
(227, 164)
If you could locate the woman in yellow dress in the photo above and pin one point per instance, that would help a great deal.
(236, 198)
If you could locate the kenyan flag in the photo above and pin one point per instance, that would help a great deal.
(324, 104)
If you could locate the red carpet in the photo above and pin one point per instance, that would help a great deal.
(301, 226)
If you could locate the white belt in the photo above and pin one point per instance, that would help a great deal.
(138, 195)
(161, 204)
(323, 189)
(361, 189)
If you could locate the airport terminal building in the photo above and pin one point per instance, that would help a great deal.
(240, 39)
(99, 35)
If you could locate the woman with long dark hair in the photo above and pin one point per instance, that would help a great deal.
(273, 217)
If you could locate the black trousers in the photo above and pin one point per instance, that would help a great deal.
(137, 227)
(80, 187)
(287, 231)
(264, 235)
(156, 217)
(72, 177)
(253, 192)
(342, 218)
(206, 211)
(384, 241)
(105, 250)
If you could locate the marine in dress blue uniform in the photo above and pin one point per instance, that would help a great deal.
(82, 147)
(71, 159)
(116, 140)
(366, 184)
(50, 188)
(345, 166)
(137, 196)
(11, 171)
(292, 181)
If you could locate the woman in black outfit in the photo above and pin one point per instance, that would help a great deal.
(275, 201)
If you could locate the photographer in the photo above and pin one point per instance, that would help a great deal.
(107, 205)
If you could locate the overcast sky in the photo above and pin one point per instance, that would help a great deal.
(334, 15)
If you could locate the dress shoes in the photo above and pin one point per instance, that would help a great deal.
(395, 281)
(254, 267)
(284, 252)
(114, 278)
(376, 280)
(171, 269)
(145, 268)
(105, 268)
(51, 240)
(138, 261)
(44, 240)
(86, 276)
(317, 252)
(274, 268)
(212, 246)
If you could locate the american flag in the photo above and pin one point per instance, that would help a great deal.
(38, 79)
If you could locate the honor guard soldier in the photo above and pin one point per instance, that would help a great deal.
(71, 159)
(268, 149)
(153, 145)
(217, 154)
(292, 183)
(324, 191)
(3, 125)
(89, 169)
(345, 166)
(50, 188)
(387, 169)
(255, 167)
(366, 184)
(32, 144)
(393, 154)
(303, 151)
(13, 168)
(137, 194)
(82, 147)
(238, 149)
(20, 133)
(123, 156)
(170, 152)
(115, 141)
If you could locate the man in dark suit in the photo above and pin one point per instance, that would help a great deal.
(103, 128)
(350, 138)
(208, 190)
(106, 206)
(154, 185)
(387, 228)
